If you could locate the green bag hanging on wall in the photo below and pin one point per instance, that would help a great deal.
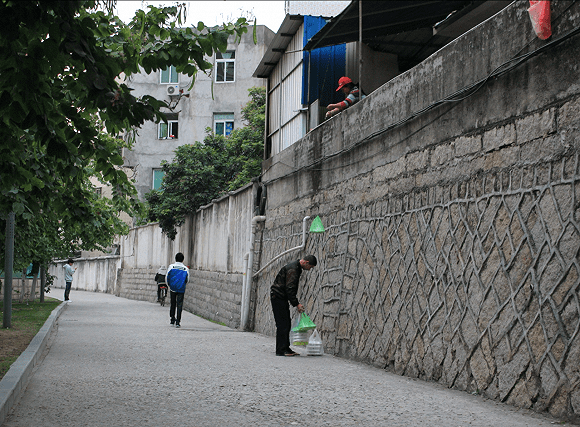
(305, 324)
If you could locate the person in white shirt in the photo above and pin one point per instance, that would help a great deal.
(68, 278)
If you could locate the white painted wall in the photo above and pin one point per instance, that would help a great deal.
(222, 232)
(92, 274)
(215, 238)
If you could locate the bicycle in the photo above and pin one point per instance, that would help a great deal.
(163, 294)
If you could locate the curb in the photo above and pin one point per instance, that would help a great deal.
(17, 376)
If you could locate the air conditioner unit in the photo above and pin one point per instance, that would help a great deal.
(172, 90)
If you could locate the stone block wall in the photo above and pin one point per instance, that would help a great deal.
(214, 295)
(455, 286)
(21, 292)
(474, 284)
(211, 295)
(137, 283)
(452, 243)
(213, 241)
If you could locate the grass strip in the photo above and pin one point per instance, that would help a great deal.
(27, 319)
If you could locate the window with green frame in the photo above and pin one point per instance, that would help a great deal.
(158, 175)
(169, 75)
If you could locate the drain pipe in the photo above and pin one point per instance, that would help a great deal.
(247, 282)
(297, 248)
(245, 275)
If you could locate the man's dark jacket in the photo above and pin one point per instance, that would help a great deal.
(285, 285)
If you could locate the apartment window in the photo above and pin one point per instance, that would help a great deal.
(223, 124)
(225, 66)
(169, 75)
(169, 130)
(158, 175)
(98, 191)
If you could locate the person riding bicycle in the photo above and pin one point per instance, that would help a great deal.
(161, 284)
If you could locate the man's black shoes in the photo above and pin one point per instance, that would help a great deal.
(288, 353)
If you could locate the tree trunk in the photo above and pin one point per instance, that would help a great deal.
(33, 288)
(42, 283)
(23, 287)
(8, 272)
(35, 270)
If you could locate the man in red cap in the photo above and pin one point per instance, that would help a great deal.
(352, 93)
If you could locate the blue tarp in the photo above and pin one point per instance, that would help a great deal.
(327, 65)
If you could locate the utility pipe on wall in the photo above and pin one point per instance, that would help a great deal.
(297, 248)
(245, 309)
(360, 61)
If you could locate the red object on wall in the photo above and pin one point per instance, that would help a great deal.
(541, 19)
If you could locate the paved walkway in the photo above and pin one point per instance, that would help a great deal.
(118, 362)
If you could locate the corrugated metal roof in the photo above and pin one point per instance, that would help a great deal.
(409, 29)
(282, 39)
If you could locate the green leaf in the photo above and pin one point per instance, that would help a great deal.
(18, 208)
(154, 30)
(206, 45)
(220, 40)
(60, 63)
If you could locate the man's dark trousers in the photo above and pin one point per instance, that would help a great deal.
(281, 311)
(67, 290)
(176, 303)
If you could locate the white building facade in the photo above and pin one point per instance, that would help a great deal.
(215, 101)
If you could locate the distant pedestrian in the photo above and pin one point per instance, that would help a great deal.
(160, 279)
(282, 292)
(351, 91)
(177, 277)
(68, 278)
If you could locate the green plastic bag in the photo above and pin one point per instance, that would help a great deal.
(305, 324)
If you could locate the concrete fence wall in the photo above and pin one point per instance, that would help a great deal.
(452, 242)
(92, 274)
(220, 234)
(213, 240)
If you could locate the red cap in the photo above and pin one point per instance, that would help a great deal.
(343, 81)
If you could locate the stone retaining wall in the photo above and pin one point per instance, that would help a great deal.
(452, 242)
(21, 293)
(216, 296)
(137, 283)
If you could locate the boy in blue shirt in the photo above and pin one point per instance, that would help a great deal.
(177, 277)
